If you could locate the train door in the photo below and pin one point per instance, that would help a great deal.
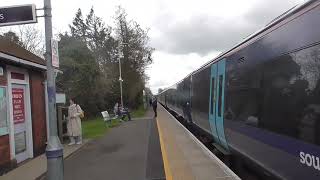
(212, 102)
(216, 106)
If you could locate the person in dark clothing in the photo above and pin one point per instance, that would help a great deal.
(188, 112)
(154, 106)
(125, 112)
(121, 111)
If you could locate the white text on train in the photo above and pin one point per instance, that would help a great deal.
(310, 160)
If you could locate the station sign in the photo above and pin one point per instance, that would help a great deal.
(14, 15)
(61, 98)
(55, 53)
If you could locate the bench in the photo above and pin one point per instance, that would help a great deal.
(107, 118)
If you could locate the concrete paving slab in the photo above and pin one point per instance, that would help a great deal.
(155, 169)
(184, 156)
(127, 152)
(32, 169)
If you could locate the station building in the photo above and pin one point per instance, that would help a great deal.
(23, 118)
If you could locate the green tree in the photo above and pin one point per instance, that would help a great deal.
(11, 36)
(89, 59)
(133, 40)
(81, 77)
(78, 28)
(28, 37)
(97, 36)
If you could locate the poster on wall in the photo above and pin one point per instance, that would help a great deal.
(18, 105)
(3, 108)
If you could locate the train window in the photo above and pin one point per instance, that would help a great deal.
(243, 93)
(281, 95)
(201, 98)
(220, 95)
(292, 95)
(212, 96)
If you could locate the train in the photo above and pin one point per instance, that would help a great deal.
(260, 100)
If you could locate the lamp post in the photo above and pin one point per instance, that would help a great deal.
(120, 79)
(120, 55)
(54, 150)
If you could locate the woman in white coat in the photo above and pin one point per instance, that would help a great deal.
(74, 123)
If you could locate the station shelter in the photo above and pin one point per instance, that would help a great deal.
(23, 107)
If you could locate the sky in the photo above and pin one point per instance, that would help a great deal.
(185, 33)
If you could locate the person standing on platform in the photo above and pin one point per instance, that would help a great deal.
(74, 123)
(154, 106)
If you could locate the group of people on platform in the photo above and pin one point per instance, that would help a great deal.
(121, 111)
(75, 113)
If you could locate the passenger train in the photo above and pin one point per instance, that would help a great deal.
(260, 100)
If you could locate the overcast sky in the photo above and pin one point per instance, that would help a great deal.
(185, 34)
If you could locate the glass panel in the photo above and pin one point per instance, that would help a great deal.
(281, 95)
(3, 108)
(212, 96)
(20, 142)
(220, 95)
(201, 98)
(18, 76)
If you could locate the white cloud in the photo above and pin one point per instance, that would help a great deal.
(168, 69)
(186, 34)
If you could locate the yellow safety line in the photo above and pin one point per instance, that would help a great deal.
(164, 155)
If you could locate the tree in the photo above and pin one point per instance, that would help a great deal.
(136, 55)
(81, 76)
(32, 39)
(11, 36)
(89, 57)
(78, 28)
(97, 36)
(28, 37)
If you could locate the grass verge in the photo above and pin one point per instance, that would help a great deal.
(94, 128)
(138, 113)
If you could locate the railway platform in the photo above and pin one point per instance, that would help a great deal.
(184, 156)
(149, 149)
(130, 151)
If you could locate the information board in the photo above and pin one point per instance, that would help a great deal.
(18, 105)
(55, 53)
(14, 15)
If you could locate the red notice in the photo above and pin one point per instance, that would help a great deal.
(18, 105)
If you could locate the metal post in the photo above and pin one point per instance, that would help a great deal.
(54, 150)
(120, 78)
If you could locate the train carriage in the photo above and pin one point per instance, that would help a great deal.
(261, 99)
